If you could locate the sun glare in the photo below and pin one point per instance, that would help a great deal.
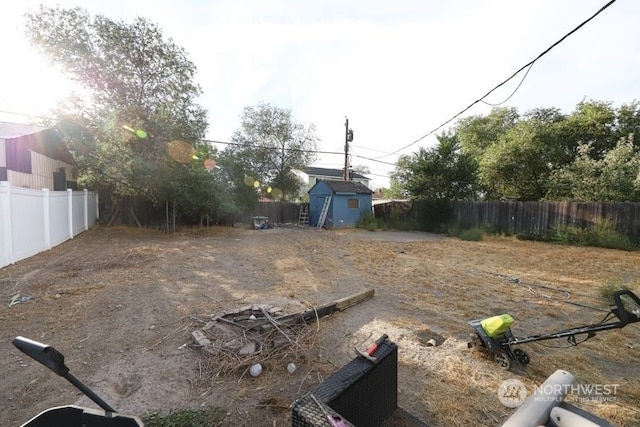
(29, 85)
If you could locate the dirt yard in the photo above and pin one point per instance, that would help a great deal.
(120, 303)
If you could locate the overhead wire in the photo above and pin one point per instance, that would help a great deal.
(373, 159)
(367, 148)
(529, 64)
(512, 93)
(271, 148)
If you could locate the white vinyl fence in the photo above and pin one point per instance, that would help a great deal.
(33, 221)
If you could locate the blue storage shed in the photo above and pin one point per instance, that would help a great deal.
(348, 202)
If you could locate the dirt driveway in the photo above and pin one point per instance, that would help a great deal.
(120, 304)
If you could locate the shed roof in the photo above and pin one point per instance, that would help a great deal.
(10, 130)
(338, 173)
(347, 187)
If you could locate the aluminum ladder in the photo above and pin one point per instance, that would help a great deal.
(325, 210)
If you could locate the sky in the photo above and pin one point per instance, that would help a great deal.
(397, 69)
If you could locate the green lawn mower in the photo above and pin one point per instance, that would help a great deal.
(493, 335)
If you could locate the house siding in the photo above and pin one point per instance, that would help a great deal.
(42, 173)
(3, 154)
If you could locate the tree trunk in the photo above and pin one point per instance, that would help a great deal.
(134, 216)
(114, 213)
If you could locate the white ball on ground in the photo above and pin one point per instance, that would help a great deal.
(255, 370)
(291, 368)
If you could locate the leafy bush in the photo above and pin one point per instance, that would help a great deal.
(474, 234)
(205, 417)
(454, 229)
(398, 221)
(432, 215)
(368, 221)
(532, 235)
(603, 234)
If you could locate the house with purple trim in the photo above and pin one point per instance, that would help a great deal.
(35, 157)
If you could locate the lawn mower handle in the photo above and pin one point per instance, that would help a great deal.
(627, 307)
(70, 415)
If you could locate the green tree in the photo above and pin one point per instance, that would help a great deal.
(628, 121)
(516, 154)
(395, 190)
(361, 169)
(268, 147)
(592, 122)
(518, 165)
(139, 98)
(477, 133)
(613, 178)
(442, 172)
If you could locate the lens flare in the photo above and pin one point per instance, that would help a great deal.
(139, 133)
(269, 189)
(248, 181)
(180, 151)
(256, 184)
(209, 164)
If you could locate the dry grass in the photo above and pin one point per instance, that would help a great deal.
(455, 281)
(109, 275)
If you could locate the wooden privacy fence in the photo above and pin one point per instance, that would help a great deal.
(278, 212)
(32, 221)
(540, 217)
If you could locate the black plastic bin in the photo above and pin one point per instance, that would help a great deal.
(364, 394)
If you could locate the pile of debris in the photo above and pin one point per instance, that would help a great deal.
(236, 339)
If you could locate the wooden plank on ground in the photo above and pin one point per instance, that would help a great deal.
(344, 303)
(325, 310)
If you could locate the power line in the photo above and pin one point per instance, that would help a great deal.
(373, 160)
(512, 93)
(529, 64)
(376, 174)
(369, 149)
(378, 170)
(271, 148)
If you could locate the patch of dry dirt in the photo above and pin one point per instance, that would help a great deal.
(117, 302)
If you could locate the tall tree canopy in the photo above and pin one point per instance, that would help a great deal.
(517, 154)
(135, 127)
(267, 148)
(613, 178)
(439, 173)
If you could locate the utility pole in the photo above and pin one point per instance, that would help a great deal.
(348, 137)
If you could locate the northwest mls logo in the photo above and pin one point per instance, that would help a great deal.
(512, 393)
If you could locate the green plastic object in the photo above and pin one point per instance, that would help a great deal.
(497, 325)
